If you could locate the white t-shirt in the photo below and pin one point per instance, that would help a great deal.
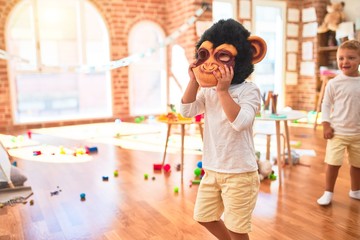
(341, 104)
(228, 146)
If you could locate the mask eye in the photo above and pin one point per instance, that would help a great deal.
(203, 54)
(224, 56)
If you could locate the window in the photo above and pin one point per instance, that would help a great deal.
(57, 38)
(224, 9)
(269, 23)
(147, 76)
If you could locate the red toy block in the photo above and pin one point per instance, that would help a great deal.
(157, 167)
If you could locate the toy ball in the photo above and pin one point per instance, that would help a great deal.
(199, 164)
(176, 189)
(146, 176)
(116, 173)
(138, 120)
(167, 167)
(197, 172)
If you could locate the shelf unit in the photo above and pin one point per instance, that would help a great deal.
(326, 57)
(326, 49)
(326, 54)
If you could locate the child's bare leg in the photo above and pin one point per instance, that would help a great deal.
(355, 178)
(331, 176)
(218, 229)
(239, 236)
(330, 179)
(355, 182)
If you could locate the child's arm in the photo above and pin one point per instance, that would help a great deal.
(326, 106)
(230, 107)
(192, 87)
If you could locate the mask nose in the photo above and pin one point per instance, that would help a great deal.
(209, 66)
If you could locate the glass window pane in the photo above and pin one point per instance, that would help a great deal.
(97, 49)
(58, 24)
(20, 37)
(147, 77)
(59, 92)
(223, 9)
(269, 24)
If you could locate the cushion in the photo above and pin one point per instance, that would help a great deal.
(17, 177)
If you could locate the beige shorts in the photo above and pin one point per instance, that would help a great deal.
(335, 150)
(234, 195)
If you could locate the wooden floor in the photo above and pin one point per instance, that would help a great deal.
(129, 207)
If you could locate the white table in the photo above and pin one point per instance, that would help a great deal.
(284, 117)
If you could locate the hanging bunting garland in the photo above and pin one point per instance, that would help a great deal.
(116, 63)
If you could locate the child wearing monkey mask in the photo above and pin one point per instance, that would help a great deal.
(225, 55)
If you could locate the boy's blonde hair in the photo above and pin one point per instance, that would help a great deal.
(351, 44)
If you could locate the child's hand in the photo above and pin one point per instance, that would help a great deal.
(224, 77)
(328, 131)
(190, 71)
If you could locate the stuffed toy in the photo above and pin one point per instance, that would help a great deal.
(227, 43)
(264, 167)
(335, 15)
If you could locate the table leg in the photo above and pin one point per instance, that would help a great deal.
(182, 151)
(288, 143)
(166, 143)
(201, 131)
(278, 146)
(268, 139)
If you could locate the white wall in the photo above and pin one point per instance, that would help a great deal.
(351, 9)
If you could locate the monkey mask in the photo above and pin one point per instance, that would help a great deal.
(227, 42)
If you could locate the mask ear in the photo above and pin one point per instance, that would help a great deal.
(259, 48)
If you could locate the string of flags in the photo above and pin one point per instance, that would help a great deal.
(116, 63)
(7, 56)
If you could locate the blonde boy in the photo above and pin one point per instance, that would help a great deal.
(341, 121)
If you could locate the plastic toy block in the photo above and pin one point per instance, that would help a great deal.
(157, 167)
(196, 181)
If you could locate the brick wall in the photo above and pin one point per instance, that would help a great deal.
(304, 95)
(120, 16)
